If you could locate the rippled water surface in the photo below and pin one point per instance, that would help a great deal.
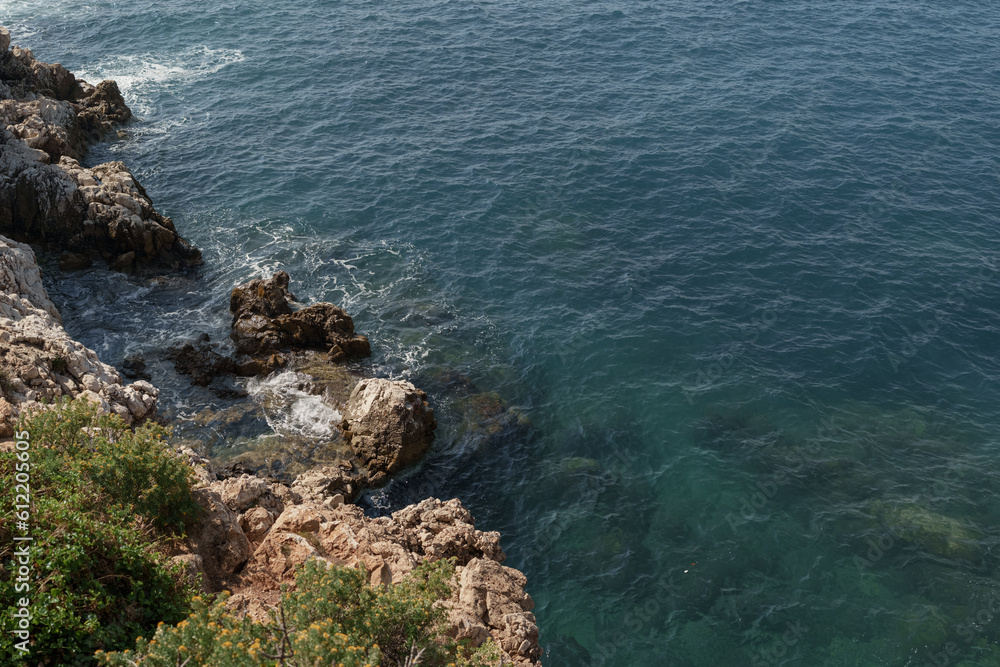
(705, 294)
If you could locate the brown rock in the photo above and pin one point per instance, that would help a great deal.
(200, 361)
(124, 261)
(389, 425)
(301, 519)
(255, 523)
(487, 598)
(495, 595)
(8, 418)
(74, 261)
(218, 538)
(320, 485)
(240, 493)
(264, 323)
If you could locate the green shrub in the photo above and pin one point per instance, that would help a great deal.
(60, 365)
(134, 470)
(96, 581)
(332, 618)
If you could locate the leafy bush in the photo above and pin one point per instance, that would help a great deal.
(332, 618)
(135, 470)
(60, 365)
(96, 489)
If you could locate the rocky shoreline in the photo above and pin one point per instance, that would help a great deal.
(253, 531)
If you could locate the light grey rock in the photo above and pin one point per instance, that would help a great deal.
(389, 425)
(41, 359)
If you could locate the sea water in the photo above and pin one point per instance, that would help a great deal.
(705, 294)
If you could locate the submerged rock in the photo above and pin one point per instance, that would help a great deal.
(200, 361)
(938, 534)
(487, 420)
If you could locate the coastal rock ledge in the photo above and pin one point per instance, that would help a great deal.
(253, 534)
(38, 359)
(47, 119)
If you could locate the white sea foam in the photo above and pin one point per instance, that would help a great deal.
(140, 77)
(289, 410)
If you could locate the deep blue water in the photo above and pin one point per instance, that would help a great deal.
(737, 263)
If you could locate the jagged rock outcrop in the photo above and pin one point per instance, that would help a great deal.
(264, 323)
(38, 359)
(488, 599)
(389, 426)
(330, 485)
(284, 529)
(47, 119)
(268, 334)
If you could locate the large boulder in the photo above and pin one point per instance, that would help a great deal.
(389, 425)
(264, 323)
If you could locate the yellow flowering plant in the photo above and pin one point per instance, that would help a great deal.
(333, 617)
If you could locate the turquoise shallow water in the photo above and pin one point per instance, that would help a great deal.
(736, 262)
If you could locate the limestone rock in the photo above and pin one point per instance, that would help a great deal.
(488, 599)
(255, 523)
(275, 560)
(240, 493)
(38, 358)
(495, 595)
(217, 537)
(322, 484)
(389, 425)
(47, 120)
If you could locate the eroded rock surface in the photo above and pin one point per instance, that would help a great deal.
(488, 599)
(265, 324)
(389, 425)
(38, 359)
(47, 119)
